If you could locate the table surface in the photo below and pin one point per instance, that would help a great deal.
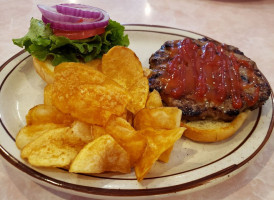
(247, 24)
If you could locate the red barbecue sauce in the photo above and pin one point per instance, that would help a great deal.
(207, 73)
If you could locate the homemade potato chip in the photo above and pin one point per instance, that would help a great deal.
(87, 93)
(78, 73)
(133, 142)
(122, 65)
(47, 114)
(68, 76)
(55, 148)
(154, 100)
(158, 118)
(102, 154)
(29, 133)
(48, 90)
(107, 97)
(138, 95)
(158, 142)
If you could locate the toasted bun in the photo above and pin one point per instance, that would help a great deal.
(213, 131)
(45, 69)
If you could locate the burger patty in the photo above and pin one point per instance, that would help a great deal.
(251, 92)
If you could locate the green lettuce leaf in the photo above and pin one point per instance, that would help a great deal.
(42, 43)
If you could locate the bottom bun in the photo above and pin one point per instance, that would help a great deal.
(213, 131)
(45, 69)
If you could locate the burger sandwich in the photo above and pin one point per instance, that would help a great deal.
(214, 84)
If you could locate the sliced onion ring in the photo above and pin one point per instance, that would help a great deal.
(85, 25)
(79, 10)
(74, 17)
(50, 12)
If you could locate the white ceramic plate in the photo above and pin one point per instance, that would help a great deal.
(192, 166)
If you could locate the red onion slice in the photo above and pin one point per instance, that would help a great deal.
(79, 10)
(85, 25)
(74, 17)
(50, 13)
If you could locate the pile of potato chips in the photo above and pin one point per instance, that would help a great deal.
(100, 117)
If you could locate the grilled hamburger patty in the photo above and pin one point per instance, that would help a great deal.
(207, 69)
